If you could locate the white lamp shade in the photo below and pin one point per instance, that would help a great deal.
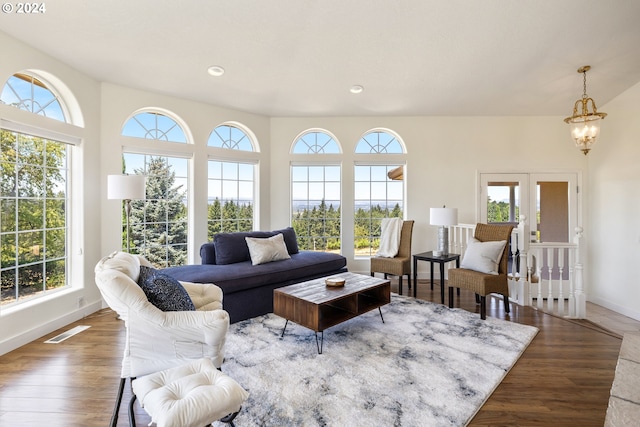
(443, 216)
(126, 187)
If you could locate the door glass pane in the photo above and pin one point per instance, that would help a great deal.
(552, 211)
(503, 202)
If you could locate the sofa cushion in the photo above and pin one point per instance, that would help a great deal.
(229, 248)
(164, 291)
(290, 239)
(267, 250)
(232, 248)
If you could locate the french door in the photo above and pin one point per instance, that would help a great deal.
(549, 201)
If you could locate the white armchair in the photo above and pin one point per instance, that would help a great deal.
(157, 340)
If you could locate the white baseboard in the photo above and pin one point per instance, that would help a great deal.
(42, 330)
(625, 311)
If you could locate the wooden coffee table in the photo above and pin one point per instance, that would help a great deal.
(316, 306)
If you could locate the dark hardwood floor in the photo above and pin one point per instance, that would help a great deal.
(562, 379)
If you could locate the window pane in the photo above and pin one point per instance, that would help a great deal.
(26, 92)
(162, 216)
(315, 218)
(33, 213)
(231, 138)
(376, 197)
(379, 143)
(156, 126)
(503, 202)
(231, 193)
(316, 143)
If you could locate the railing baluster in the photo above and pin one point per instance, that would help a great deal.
(539, 262)
(550, 263)
(560, 281)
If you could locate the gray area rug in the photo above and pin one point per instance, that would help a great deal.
(427, 365)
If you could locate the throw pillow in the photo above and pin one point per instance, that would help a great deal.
(267, 250)
(290, 239)
(483, 256)
(164, 291)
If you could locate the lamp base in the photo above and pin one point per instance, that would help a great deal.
(443, 241)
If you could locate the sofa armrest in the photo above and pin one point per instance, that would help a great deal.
(205, 296)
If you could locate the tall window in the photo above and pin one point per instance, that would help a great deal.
(33, 215)
(316, 206)
(379, 189)
(27, 92)
(315, 193)
(34, 197)
(159, 223)
(153, 125)
(231, 184)
(230, 192)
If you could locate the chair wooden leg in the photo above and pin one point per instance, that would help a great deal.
(477, 298)
(507, 308)
(372, 274)
(451, 296)
(483, 307)
(400, 284)
(409, 281)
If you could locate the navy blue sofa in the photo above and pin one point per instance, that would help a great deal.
(248, 289)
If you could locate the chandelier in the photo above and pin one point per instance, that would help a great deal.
(585, 125)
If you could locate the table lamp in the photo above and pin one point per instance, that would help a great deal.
(443, 217)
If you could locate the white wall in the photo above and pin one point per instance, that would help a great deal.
(614, 206)
(444, 156)
(28, 321)
(119, 103)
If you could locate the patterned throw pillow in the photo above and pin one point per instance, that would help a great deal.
(164, 291)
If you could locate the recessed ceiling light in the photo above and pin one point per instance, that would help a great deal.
(356, 89)
(215, 70)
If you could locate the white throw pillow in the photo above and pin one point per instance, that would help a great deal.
(263, 250)
(483, 256)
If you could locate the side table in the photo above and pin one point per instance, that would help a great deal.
(440, 259)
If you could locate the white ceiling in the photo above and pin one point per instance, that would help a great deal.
(300, 57)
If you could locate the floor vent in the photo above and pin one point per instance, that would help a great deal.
(63, 336)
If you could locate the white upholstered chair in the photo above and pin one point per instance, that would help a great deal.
(156, 340)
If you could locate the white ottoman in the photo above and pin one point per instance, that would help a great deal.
(191, 395)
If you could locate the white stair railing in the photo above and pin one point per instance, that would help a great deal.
(547, 275)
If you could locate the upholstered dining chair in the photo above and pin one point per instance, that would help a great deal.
(400, 265)
(156, 340)
(476, 275)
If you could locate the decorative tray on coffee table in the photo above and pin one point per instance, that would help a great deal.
(334, 282)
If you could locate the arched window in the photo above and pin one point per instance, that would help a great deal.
(27, 92)
(230, 137)
(35, 200)
(379, 142)
(379, 188)
(315, 142)
(231, 184)
(154, 125)
(316, 192)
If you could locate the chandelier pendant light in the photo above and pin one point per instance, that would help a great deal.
(585, 124)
